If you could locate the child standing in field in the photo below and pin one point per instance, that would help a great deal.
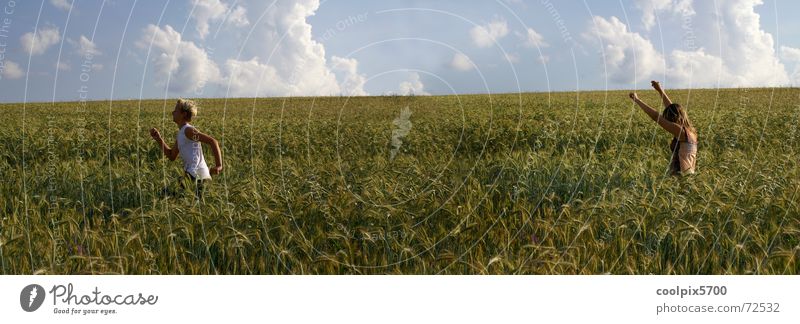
(188, 145)
(674, 120)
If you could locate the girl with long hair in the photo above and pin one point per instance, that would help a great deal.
(675, 120)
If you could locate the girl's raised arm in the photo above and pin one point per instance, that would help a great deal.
(662, 93)
(667, 125)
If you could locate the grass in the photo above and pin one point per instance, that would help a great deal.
(565, 183)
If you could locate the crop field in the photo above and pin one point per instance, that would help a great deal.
(560, 183)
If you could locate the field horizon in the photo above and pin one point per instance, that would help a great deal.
(524, 93)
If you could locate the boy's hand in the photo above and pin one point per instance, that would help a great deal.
(633, 96)
(656, 85)
(216, 170)
(155, 134)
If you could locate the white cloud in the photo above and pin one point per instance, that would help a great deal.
(238, 17)
(512, 58)
(63, 66)
(280, 59)
(727, 46)
(791, 56)
(747, 51)
(61, 4)
(413, 87)
(532, 39)
(544, 59)
(286, 59)
(696, 68)
(85, 47)
(253, 79)
(10, 70)
(628, 55)
(38, 43)
(487, 35)
(461, 62)
(88, 47)
(730, 50)
(352, 83)
(651, 8)
(181, 63)
(207, 11)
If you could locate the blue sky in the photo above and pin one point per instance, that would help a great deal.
(122, 49)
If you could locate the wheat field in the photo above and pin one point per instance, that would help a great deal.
(559, 183)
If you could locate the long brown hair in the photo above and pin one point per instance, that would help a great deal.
(677, 114)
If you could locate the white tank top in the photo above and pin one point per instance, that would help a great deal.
(192, 155)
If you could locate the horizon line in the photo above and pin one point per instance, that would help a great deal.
(389, 95)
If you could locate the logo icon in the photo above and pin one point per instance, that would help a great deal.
(31, 297)
(402, 127)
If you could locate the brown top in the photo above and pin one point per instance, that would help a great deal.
(684, 156)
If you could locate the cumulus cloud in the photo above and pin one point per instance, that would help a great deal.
(207, 11)
(413, 87)
(747, 51)
(352, 83)
(61, 4)
(280, 59)
(286, 55)
(790, 53)
(729, 51)
(238, 17)
(63, 66)
(37, 43)
(487, 35)
(791, 56)
(512, 58)
(85, 47)
(651, 8)
(697, 68)
(544, 59)
(252, 79)
(532, 39)
(628, 55)
(185, 66)
(461, 62)
(10, 70)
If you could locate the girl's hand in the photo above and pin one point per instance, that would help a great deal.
(155, 134)
(216, 170)
(633, 96)
(656, 85)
